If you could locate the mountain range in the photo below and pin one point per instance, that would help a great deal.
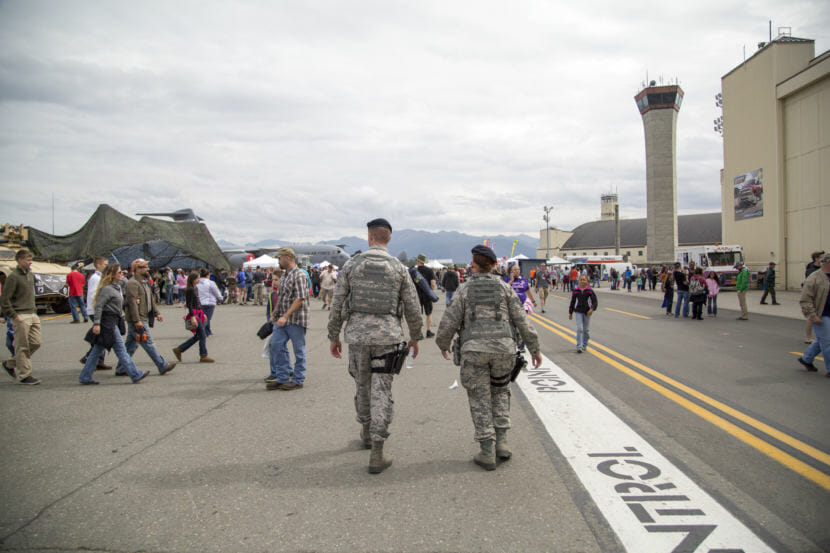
(435, 245)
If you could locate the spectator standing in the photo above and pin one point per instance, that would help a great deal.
(169, 285)
(668, 292)
(614, 276)
(328, 280)
(450, 282)
(815, 306)
(17, 301)
(107, 327)
(139, 309)
(584, 304)
(681, 281)
(574, 277)
(75, 281)
(209, 295)
(627, 279)
(291, 323)
(249, 284)
(259, 286)
(315, 282)
(769, 284)
(242, 289)
(181, 285)
(697, 293)
(741, 287)
(426, 302)
(713, 289)
(197, 318)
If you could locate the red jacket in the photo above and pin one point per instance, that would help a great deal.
(76, 282)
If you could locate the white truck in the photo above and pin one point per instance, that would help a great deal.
(720, 258)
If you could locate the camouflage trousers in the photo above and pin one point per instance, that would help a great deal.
(373, 391)
(489, 404)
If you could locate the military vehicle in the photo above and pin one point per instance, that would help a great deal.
(50, 278)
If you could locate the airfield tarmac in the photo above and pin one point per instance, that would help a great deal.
(205, 459)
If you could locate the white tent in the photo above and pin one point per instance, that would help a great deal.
(557, 261)
(517, 258)
(261, 261)
(435, 264)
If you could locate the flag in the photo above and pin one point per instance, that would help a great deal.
(513, 248)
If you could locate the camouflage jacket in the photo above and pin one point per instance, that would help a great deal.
(453, 320)
(371, 328)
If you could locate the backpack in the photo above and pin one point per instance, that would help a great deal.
(695, 287)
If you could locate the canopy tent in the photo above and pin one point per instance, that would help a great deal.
(263, 261)
(435, 264)
(517, 258)
(323, 264)
(555, 260)
(108, 230)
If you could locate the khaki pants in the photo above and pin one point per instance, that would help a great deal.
(26, 343)
(742, 302)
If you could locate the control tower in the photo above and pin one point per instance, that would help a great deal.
(609, 202)
(659, 106)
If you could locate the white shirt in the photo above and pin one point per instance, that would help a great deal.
(208, 291)
(91, 287)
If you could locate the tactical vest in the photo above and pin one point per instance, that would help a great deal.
(374, 284)
(481, 323)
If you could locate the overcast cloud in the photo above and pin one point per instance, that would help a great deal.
(302, 120)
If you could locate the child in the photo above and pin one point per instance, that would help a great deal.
(668, 293)
(584, 303)
(714, 290)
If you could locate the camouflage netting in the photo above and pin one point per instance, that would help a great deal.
(108, 230)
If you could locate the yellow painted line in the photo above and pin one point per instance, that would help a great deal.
(627, 313)
(55, 317)
(770, 450)
(819, 357)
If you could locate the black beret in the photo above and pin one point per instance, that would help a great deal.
(486, 252)
(380, 222)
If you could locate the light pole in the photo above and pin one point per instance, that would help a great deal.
(546, 218)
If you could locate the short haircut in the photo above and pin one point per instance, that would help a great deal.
(381, 235)
(98, 259)
(21, 253)
(485, 263)
(203, 272)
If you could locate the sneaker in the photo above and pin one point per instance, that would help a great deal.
(89, 382)
(430, 334)
(141, 377)
(30, 381)
(269, 379)
(291, 386)
(170, 366)
(579, 350)
(9, 370)
(809, 366)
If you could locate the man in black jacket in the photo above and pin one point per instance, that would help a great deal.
(450, 282)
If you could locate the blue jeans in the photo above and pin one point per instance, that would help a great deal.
(149, 346)
(280, 360)
(120, 351)
(77, 302)
(627, 284)
(208, 309)
(582, 334)
(682, 298)
(449, 296)
(200, 337)
(821, 343)
(168, 295)
(712, 305)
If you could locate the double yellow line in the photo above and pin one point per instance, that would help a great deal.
(661, 385)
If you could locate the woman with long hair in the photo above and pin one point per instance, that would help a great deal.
(713, 287)
(197, 318)
(107, 330)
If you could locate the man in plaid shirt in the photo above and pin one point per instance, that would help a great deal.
(290, 320)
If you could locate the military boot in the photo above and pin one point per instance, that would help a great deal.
(365, 437)
(486, 458)
(502, 451)
(377, 462)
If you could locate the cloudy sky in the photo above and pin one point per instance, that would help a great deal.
(304, 119)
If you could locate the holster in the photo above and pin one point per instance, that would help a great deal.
(456, 351)
(392, 362)
(521, 363)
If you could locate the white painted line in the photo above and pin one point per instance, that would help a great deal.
(650, 504)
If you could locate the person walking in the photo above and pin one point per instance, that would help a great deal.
(450, 283)
(484, 314)
(290, 323)
(100, 263)
(107, 328)
(811, 267)
(520, 286)
(815, 306)
(327, 282)
(584, 304)
(75, 282)
(139, 309)
(713, 289)
(426, 302)
(373, 293)
(741, 287)
(198, 320)
(209, 295)
(17, 302)
(681, 281)
(769, 284)
(543, 288)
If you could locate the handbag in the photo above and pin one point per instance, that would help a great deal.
(265, 330)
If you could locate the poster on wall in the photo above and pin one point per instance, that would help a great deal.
(749, 195)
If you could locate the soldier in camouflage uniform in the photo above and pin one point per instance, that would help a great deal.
(486, 313)
(373, 292)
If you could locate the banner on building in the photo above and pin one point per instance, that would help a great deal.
(749, 195)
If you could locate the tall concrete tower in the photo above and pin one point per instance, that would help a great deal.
(607, 210)
(659, 106)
